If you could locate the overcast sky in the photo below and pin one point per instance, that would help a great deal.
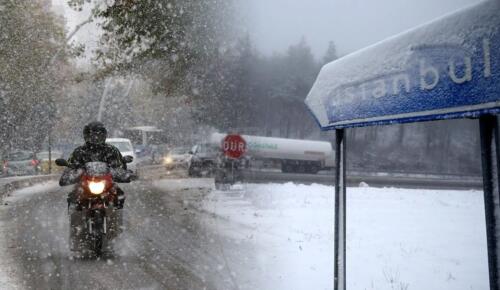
(351, 24)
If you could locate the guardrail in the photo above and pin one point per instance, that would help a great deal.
(354, 178)
(372, 179)
(9, 184)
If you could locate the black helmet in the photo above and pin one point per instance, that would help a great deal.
(95, 133)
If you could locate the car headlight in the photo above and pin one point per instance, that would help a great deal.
(168, 160)
(97, 187)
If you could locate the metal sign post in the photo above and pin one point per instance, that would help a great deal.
(340, 211)
(50, 150)
(490, 154)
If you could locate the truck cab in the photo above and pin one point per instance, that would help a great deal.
(203, 159)
(290, 155)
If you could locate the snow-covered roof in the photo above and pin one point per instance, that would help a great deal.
(145, 129)
(391, 80)
(117, 140)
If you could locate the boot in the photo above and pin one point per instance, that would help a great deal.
(120, 202)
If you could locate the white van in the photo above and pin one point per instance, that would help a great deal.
(125, 147)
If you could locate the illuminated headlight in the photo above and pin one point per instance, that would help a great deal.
(168, 160)
(97, 187)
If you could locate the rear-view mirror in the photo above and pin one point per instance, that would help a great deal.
(62, 162)
(128, 159)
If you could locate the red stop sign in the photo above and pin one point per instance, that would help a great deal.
(234, 146)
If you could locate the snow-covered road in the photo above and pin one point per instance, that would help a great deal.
(182, 234)
(163, 246)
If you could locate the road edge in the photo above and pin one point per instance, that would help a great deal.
(10, 186)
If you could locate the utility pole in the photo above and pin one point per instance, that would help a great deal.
(105, 95)
(103, 99)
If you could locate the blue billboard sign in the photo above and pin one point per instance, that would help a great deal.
(449, 68)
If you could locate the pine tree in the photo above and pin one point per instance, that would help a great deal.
(331, 53)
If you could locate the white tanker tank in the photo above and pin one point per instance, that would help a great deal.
(294, 155)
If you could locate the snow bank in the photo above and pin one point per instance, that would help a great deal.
(396, 238)
(31, 191)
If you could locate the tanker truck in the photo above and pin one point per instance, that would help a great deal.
(291, 155)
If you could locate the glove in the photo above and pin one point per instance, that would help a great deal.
(70, 176)
(133, 177)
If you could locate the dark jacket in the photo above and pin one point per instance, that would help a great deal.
(94, 153)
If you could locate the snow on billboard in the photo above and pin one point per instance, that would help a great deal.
(449, 68)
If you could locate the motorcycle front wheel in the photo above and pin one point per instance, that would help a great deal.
(98, 234)
(98, 244)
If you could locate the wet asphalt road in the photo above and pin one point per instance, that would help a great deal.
(165, 245)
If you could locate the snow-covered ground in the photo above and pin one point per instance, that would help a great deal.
(280, 236)
(396, 238)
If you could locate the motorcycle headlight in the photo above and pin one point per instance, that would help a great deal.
(97, 187)
(168, 160)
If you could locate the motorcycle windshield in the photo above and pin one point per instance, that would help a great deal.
(96, 168)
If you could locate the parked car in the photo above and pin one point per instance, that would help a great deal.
(43, 157)
(177, 157)
(126, 149)
(20, 163)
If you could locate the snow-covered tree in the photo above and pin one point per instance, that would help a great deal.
(172, 42)
(30, 76)
(331, 53)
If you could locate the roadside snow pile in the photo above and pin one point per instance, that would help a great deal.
(396, 238)
(27, 192)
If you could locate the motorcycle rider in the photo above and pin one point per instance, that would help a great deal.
(95, 149)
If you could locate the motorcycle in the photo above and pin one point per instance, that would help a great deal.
(94, 217)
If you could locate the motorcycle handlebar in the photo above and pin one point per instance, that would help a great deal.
(121, 175)
(72, 176)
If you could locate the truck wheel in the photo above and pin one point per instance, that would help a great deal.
(301, 168)
(190, 171)
(313, 169)
(194, 172)
(287, 168)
